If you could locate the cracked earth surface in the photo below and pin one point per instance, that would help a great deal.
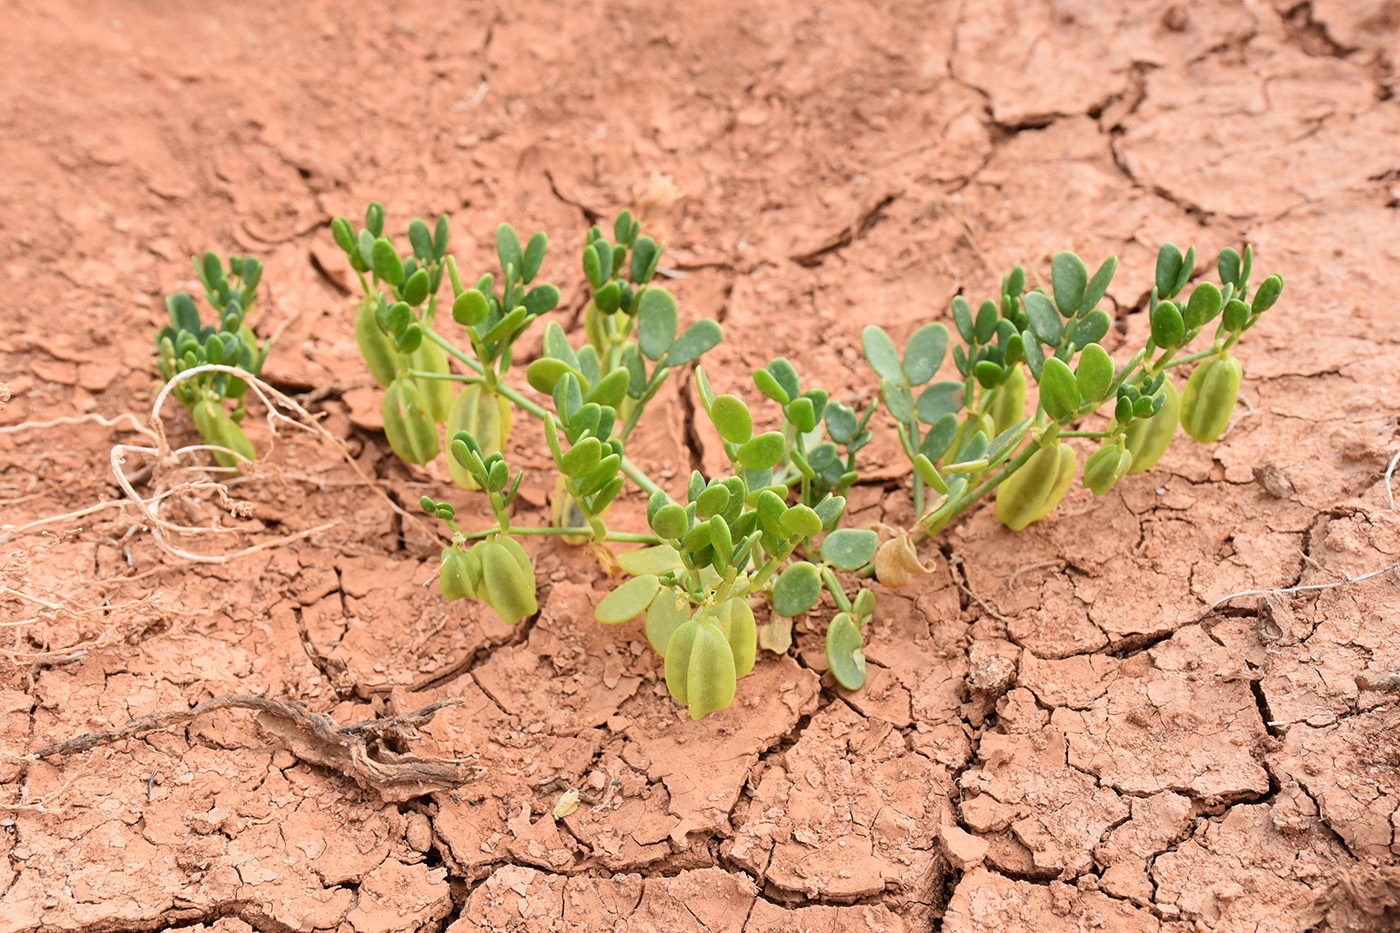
(1064, 730)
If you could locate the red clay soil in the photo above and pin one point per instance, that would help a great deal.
(1064, 730)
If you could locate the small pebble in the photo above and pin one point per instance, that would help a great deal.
(418, 833)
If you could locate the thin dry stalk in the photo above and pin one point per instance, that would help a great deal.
(126, 416)
(273, 400)
(312, 737)
(1308, 588)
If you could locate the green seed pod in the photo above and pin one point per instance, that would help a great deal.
(700, 668)
(737, 622)
(1149, 438)
(1029, 494)
(376, 346)
(485, 416)
(431, 358)
(1209, 398)
(411, 431)
(1106, 466)
(220, 430)
(507, 579)
(460, 573)
(1007, 404)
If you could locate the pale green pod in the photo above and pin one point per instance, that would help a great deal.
(220, 430)
(376, 347)
(736, 620)
(1029, 494)
(437, 393)
(1149, 438)
(1209, 399)
(666, 614)
(507, 579)
(1007, 405)
(484, 415)
(411, 431)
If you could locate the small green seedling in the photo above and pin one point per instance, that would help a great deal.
(186, 343)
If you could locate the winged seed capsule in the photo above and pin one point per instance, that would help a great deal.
(1106, 466)
(411, 431)
(375, 346)
(1209, 399)
(484, 415)
(1149, 438)
(1032, 492)
(507, 579)
(460, 573)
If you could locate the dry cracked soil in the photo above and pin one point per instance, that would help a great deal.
(1064, 730)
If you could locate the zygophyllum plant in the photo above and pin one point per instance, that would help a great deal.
(187, 343)
(769, 527)
(971, 436)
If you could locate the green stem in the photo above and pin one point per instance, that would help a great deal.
(595, 524)
(1086, 434)
(617, 339)
(450, 377)
(987, 486)
(773, 564)
(498, 506)
(634, 473)
(519, 400)
(658, 377)
(722, 591)
(838, 592)
(1125, 373)
(918, 493)
(621, 537)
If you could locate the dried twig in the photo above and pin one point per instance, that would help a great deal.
(126, 416)
(1308, 588)
(1389, 472)
(1030, 568)
(271, 399)
(864, 219)
(959, 579)
(312, 737)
